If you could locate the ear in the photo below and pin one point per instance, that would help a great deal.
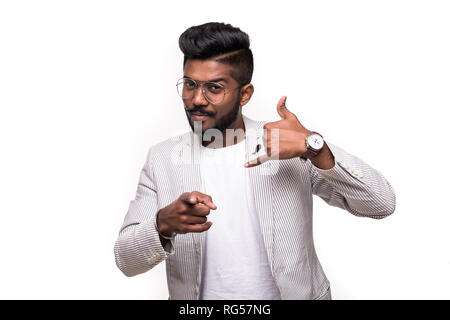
(246, 93)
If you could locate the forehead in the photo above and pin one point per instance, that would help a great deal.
(206, 70)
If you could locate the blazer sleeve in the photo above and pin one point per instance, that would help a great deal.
(353, 186)
(138, 247)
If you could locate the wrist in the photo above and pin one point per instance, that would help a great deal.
(324, 159)
(163, 229)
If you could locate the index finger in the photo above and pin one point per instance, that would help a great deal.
(257, 161)
(196, 197)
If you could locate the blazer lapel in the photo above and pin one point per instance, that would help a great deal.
(190, 179)
(261, 183)
(190, 173)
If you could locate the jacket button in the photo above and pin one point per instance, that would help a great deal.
(152, 260)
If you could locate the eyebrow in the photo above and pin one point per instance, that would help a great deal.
(212, 80)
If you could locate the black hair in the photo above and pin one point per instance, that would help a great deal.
(222, 43)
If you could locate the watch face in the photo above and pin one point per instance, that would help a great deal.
(315, 141)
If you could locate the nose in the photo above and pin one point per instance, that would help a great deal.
(198, 98)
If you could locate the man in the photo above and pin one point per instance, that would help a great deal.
(228, 230)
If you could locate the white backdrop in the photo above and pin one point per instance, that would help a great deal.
(86, 87)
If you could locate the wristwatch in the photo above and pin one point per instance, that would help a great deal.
(314, 143)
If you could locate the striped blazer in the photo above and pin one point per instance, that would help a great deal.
(283, 193)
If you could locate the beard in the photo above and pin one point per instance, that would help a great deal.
(223, 123)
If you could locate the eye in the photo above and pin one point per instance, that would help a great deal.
(214, 87)
(189, 84)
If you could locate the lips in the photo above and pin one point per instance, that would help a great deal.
(199, 116)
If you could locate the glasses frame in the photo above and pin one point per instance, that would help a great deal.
(202, 83)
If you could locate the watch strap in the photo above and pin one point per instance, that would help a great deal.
(308, 154)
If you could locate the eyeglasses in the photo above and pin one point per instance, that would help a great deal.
(213, 92)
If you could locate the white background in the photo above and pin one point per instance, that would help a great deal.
(86, 87)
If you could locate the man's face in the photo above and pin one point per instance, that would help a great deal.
(219, 116)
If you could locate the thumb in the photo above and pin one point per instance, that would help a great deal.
(281, 108)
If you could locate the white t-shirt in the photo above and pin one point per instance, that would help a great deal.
(235, 263)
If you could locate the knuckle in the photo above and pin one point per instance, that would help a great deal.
(180, 208)
(185, 195)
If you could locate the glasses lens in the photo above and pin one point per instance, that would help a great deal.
(214, 92)
(186, 88)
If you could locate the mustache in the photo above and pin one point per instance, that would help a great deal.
(200, 111)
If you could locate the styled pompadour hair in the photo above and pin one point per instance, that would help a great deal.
(222, 43)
